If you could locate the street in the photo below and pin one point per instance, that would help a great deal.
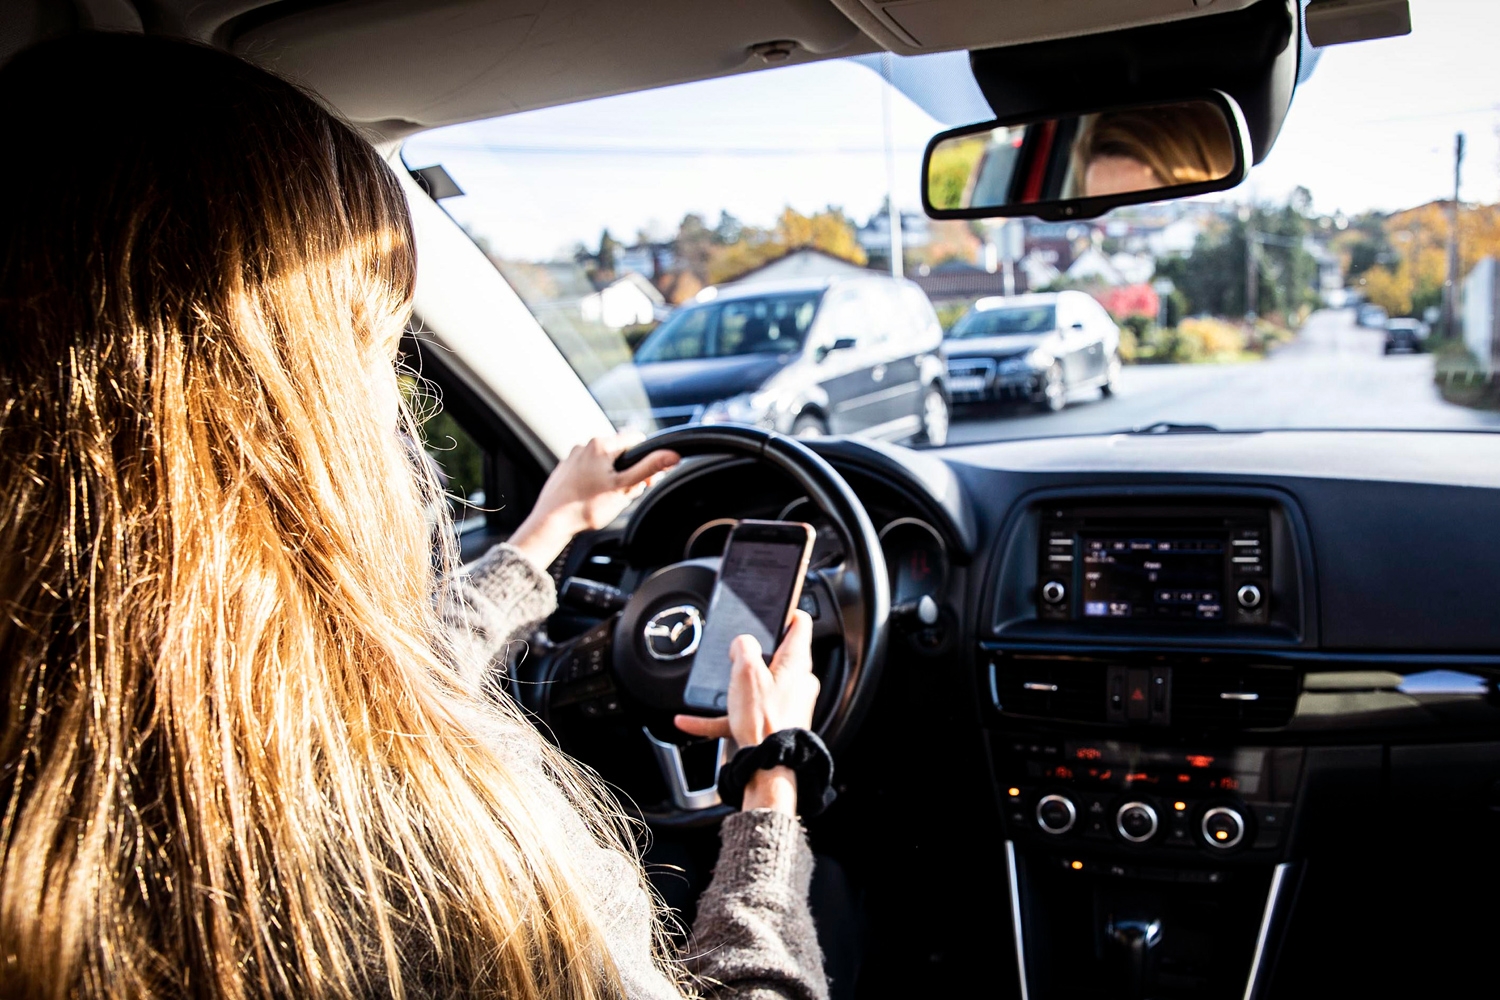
(1333, 375)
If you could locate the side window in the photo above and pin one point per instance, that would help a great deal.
(877, 302)
(842, 314)
(490, 476)
(460, 462)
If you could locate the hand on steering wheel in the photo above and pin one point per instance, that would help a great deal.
(764, 700)
(586, 492)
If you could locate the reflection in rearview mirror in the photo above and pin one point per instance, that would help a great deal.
(1080, 165)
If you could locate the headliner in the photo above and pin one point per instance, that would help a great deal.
(405, 65)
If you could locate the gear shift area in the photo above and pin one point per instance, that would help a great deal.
(1132, 949)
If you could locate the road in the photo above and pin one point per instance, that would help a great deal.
(1333, 375)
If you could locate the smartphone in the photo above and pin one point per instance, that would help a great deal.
(759, 585)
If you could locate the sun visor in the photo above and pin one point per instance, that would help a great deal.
(1250, 54)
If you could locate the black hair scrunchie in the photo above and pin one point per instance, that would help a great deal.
(802, 751)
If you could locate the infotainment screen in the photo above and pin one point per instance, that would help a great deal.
(1190, 564)
(1160, 577)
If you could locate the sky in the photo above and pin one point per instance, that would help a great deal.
(1372, 129)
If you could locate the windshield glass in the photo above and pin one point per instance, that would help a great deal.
(996, 321)
(1270, 305)
(771, 325)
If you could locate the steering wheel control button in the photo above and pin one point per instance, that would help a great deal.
(1055, 814)
(1223, 827)
(673, 633)
(1249, 596)
(1053, 592)
(1136, 822)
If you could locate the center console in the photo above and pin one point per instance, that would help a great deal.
(1134, 729)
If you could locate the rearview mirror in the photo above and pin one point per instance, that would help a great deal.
(1082, 164)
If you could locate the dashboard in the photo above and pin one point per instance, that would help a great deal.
(1215, 679)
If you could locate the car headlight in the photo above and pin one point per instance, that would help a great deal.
(1039, 359)
(754, 408)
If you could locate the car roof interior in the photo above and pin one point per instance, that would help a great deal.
(400, 66)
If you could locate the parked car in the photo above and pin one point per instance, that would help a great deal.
(1405, 334)
(1036, 348)
(857, 355)
(1372, 316)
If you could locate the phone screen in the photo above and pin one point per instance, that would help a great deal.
(760, 579)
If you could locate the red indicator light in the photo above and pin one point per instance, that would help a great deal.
(1184, 778)
(1088, 753)
(1106, 774)
(1139, 776)
(1199, 760)
(1228, 784)
(1062, 772)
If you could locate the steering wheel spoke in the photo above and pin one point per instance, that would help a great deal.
(674, 773)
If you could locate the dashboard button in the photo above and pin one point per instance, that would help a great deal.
(1223, 827)
(1249, 596)
(1053, 592)
(1055, 814)
(1136, 822)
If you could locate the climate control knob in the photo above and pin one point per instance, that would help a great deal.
(1136, 822)
(1053, 592)
(1223, 827)
(1249, 596)
(1056, 814)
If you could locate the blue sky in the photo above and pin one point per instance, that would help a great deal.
(1373, 128)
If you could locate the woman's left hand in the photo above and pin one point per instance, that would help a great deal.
(585, 493)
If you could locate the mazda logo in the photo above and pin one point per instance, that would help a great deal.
(673, 633)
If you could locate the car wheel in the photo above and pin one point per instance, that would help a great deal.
(1111, 376)
(1054, 391)
(934, 417)
(809, 425)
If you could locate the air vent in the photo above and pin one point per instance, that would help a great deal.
(1243, 698)
(1051, 690)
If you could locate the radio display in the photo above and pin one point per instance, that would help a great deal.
(1161, 577)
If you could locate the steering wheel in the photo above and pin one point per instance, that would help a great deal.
(636, 665)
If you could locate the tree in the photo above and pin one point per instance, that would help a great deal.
(1409, 279)
(1212, 278)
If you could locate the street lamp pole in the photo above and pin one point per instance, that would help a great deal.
(1252, 271)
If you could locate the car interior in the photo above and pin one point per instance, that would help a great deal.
(1170, 713)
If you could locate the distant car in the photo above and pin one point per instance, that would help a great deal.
(1405, 334)
(1035, 348)
(1372, 316)
(858, 355)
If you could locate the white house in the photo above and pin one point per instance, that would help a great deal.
(629, 300)
(804, 263)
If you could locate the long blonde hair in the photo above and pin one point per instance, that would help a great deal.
(235, 762)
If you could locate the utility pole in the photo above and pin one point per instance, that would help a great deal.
(1450, 282)
(893, 214)
(1252, 269)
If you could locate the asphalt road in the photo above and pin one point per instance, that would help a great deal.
(1334, 375)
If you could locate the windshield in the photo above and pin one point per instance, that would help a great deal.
(1340, 286)
(998, 322)
(771, 325)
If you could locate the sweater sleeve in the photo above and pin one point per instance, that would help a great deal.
(488, 603)
(754, 938)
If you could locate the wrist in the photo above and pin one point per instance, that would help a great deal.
(542, 537)
(772, 788)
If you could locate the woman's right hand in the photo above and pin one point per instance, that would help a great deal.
(765, 699)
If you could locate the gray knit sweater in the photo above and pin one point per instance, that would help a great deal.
(754, 935)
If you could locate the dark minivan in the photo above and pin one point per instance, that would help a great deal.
(857, 354)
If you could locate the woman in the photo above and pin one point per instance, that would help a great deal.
(242, 748)
(1146, 149)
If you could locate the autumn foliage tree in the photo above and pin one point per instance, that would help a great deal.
(1418, 238)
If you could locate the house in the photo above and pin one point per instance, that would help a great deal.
(629, 300)
(955, 280)
(807, 262)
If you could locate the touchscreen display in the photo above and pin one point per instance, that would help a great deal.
(753, 594)
(1163, 577)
